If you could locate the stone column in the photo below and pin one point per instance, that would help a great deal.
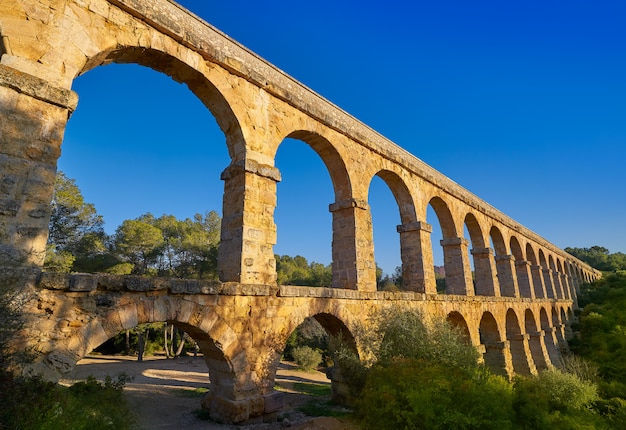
(538, 282)
(565, 286)
(246, 253)
(458, 271)
(520, 354)
(353, 249)
(497, 357)
(556, 281)
(485, 272)
(416, 251)
(33, 116)
(538, 350)
(547, 279)
(552, 345)
(506, 275)
(524, 279)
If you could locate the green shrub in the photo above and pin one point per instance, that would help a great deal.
(306, 358)
(34, 404)
(420, 394)
(407, 334)
(556, 400)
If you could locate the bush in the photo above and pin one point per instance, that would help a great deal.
(421, 394)
(306, 358)
(38, 405)
(556, 400)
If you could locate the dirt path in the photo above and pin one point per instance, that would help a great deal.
(166, 393)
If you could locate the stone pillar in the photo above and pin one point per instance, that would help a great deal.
(506, 275)
(524, 279)
(520, 355)
(416, 251)
(246, 253)
(497, 357)
(486, 281)
(458, 271)
(33, 116)
(353, 246)
(556, 281)
(538, 282)
(565, 286)
(538, 350)
(547, 279)
(552, 345)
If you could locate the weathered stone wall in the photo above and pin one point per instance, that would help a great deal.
(242, 329)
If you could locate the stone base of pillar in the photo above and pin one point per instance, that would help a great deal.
(253, 410)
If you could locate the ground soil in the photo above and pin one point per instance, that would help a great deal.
(165, 393)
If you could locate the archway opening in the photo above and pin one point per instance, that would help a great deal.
(159, 388)
(457, 320)
(490, 339)
(141, 145)
(518, 345)
(386, 216)
(309, 371)
(303, 222)
(534, 341)
(437, 249)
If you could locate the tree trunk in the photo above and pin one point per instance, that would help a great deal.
(165, 341)
(140, 346)
(181, 345)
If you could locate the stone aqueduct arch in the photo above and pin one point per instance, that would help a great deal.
(515, 308)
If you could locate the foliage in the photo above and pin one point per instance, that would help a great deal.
(298, 271)
(556, 400)
(11, 319)
(391, 282)
(600, 334)
(422, 394)
(600, 339)
(138, 242)
(75, 228)
(398, 333)
(310, 333)
(600, 258)
(38, 405)
(306, 358)
(163, 246)
(423, 374)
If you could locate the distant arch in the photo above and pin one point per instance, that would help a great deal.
(491, 340)
(549, 337)
(207, 92)
(457, 320)
(332, 160)
(516, 341)
(535, 340)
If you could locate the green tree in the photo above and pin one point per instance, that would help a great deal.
(76, 233)
(297, 271)
(600, 258)
(190, 246)
(138, 242)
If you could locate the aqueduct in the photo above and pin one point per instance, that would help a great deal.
(515, 306)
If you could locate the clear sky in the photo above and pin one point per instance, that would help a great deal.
(521, 102)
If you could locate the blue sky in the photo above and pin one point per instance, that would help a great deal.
(521, 102)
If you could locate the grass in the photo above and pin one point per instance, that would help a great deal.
(196, 392)
(316, 408)
(317, 390)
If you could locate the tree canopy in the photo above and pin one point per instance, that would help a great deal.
(164, 246)
(600, 258)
